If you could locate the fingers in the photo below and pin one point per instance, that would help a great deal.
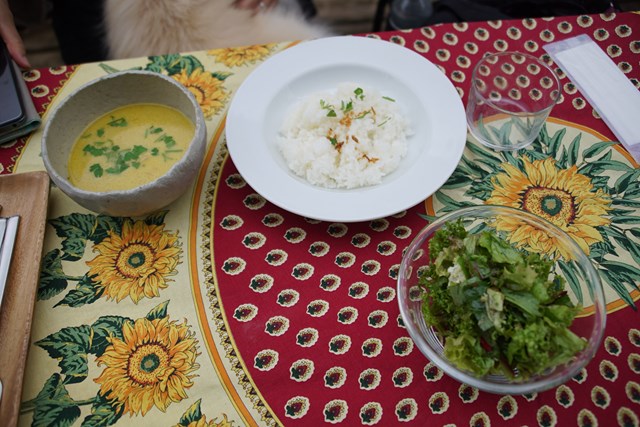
(9, 33)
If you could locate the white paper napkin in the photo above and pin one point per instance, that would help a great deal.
(604, 86)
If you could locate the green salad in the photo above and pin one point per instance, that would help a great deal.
(500, 310)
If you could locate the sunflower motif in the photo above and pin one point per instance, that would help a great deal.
(239, 56)
(135, 263)
(152, 364)
(564, 197)
(202, 422)
(208, 90)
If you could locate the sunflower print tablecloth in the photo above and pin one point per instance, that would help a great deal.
(224, 310)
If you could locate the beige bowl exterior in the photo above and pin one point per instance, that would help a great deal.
(97, 98)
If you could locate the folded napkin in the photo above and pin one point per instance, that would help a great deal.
(604, 86)
(33, 119)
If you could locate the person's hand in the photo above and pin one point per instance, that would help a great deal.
(9, 33)
(254, 5)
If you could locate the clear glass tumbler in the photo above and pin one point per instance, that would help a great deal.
(511, 96)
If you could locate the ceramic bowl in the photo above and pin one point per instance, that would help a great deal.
(582, 285)
(97, 98)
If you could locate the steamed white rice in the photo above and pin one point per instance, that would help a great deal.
(357, 147)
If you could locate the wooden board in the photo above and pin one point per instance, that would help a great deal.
(26, 195)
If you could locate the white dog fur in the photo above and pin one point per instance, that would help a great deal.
(154, 27)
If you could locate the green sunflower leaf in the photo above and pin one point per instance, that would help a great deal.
(635, 232)
(76, 229)
(483, 129)
(173, 64)
(104, 328)
(572, 279)
(623, 182)
(613, 281)
(221, 75)
(103, 413)
(156, 218)
(462, 168)
(479, 192)
(563, 159)
(53, 406)
(510, 158)
(192, 414)
(85, 292)
(537, 155)
(542, 141)
(601, 182)
(484, 156)
(554, 142)
(474, 168)
(596, 149)
(457, 180)
(447, 201)
(632, 248)
(620, 212)
(623, 270)
(108, 68)
(633, 191)
(52, 278)
(158, 312)
(615, 165)
(69, 346)
(626, 219)
(574, 150)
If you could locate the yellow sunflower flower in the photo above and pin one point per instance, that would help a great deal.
(564, 197)
(238, 56)
(152, 364)
(135, 263)
(208, 90)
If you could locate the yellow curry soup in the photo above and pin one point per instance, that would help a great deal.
(128, 147)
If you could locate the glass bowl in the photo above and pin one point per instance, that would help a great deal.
(582, 285)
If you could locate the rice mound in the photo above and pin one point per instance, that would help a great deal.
(347, 137)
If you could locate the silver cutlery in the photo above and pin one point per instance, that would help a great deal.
(8, 231)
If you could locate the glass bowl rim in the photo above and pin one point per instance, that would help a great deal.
(537, 385)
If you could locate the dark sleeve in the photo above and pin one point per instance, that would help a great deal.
(78, 25)
(308, 8)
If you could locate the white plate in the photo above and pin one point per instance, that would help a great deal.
(435, 111)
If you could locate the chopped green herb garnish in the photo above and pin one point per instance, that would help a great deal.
(346, 106)
(359, 92)
(119, 122)
(333, 141)
(96, 170)
(167, 139)
(94, 151)
(388, 99)
(384, 122)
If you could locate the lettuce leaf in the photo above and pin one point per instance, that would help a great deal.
(499, 309)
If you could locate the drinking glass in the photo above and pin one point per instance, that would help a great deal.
(511, 96)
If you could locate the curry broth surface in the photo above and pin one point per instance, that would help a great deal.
(128, 147)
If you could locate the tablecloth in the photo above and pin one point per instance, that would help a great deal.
(225, 310)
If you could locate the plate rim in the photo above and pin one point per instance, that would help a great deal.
(239, 118)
